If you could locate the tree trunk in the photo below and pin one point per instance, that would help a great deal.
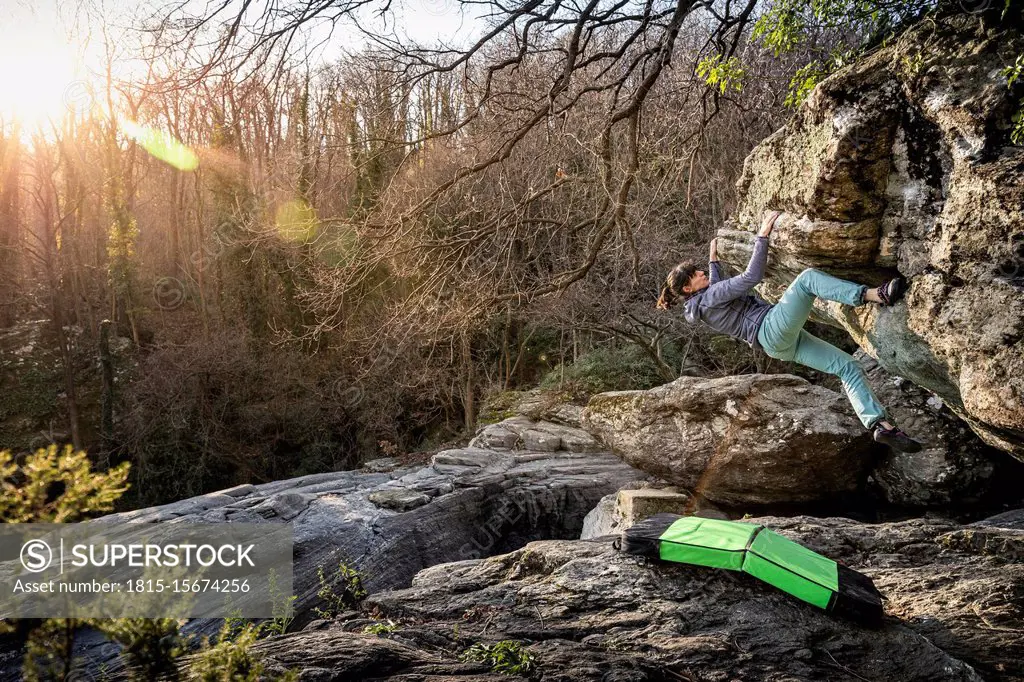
(67, 360)
(107, 400)
(469, 394)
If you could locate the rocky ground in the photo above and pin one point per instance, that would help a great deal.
(589, 612)
(480, 545)
(515, 482)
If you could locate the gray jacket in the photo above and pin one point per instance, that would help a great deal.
(726, 305)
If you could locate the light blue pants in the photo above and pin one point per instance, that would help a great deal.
(782, 336)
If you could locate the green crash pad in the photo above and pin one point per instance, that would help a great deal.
(761, 552)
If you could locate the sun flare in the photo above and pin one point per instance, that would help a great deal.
(40, 83)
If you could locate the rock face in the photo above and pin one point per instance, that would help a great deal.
(902, 163)
(589, 612)
(755, 439)
(519, 481)
(955, 466)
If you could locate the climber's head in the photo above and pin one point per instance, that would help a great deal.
(682, 282)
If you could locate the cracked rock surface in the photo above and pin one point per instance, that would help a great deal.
(589, 612)
(517, 481)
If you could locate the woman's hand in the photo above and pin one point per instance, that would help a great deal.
(768, 223)
(714, 250)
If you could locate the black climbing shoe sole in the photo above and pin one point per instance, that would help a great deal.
(897, 440)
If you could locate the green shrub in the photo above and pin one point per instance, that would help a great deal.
(508, 657)
(48, 650)
(230, 657)
(52, 487)
(344, 590)
(1013, 74)
(381, 628)
(151, 645)
(281, 607)
(609, 369)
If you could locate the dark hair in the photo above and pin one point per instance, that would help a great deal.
(672, 290)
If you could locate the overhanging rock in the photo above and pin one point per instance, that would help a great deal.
(902, 162)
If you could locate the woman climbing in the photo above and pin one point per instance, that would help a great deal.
(727, 306)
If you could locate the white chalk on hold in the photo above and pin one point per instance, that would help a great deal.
(730, 407)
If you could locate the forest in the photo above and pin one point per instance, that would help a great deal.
(246, 264)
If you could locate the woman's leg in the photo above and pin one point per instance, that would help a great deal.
(781, 327)
(824, 357)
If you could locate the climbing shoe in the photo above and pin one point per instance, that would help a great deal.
(896, 439)
(892, 291)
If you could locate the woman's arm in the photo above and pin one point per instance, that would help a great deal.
(714, 269)
(734, 287)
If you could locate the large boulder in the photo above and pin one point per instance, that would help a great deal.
(755, 439)
(902, 162)
(588, 612)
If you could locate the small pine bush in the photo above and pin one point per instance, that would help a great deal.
(230, 658)
(57, 487)
(342, 591)
(151, 645)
